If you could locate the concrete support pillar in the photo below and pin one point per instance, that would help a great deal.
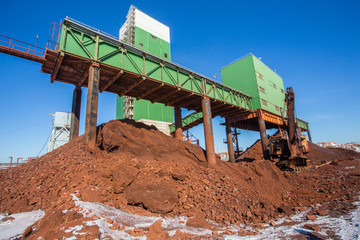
(178, 124)
(208, 132)
(75, 116)
(229, 141)
(309, 135)
(263, 136)
(92, 105)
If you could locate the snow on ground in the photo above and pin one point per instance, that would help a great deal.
(13, 229)
(131, 221)
(346, 227)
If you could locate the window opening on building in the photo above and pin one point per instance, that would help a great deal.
(153, 37)
(277, 108)
(264, 102)
(262, 89)
(259, 75)
(141, 45)
(165, 55)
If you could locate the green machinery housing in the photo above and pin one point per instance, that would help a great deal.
(251, 76)
(146, 33)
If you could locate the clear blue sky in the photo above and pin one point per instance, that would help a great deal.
(313, 45)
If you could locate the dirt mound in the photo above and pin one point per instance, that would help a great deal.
(138, 169)
(317, 155)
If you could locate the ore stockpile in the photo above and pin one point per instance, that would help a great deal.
(139, 170)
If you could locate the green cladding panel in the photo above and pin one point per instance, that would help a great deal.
(120, 107)
(251, 76)
(152, 44)
(144, 109)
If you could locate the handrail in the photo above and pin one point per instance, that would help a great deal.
(15, 44)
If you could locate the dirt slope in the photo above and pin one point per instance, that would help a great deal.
(140, 170)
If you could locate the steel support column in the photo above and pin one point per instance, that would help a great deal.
(229, 141)
(75, 116)
(263, 136)
(309, 135)
(178, 124)
(208, 132)
(92, 105)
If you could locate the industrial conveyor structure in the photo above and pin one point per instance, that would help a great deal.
(87, 57)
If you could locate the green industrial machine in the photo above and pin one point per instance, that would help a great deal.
(144, 32)
(251, 76)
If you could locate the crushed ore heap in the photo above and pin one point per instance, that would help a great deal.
(140, 170)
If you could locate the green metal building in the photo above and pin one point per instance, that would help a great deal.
(251, 76)
(148, 34)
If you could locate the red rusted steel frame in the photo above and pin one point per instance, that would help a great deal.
(229, 140)
(263, 136)
(92, 105)
(11, 159)
(75, 116)
(178, 124)
(17, 161)
(12, 45)
(208, 132)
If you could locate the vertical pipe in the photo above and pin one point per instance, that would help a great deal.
(17, 161)
(178, 124)
(237, 141)
(208, 132)
(75, 116)
(263, 136)
(11, 159)
(229, 140)
(92, 105)
(309, 135)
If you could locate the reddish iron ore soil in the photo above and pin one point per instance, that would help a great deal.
(140, 170)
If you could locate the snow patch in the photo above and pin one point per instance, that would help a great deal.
(15, 228)
(130, 221)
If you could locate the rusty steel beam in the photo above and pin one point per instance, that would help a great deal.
(208, 132)
(162, 97)
(229, 141)
(263, 136)
(233, 113)
(178, 124)
(132, 86)
(109, 83)
(224, 109)
(309, 135)
(190, 102)
(92, 105)
(75, 116)
(179, 99)
(83, 79)
(150, 91)
(57, 67)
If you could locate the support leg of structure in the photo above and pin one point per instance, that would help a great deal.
(92, 105)
(237, 141)
(263, 136)
(178, 124)
(75, 116)
(208, 132)
(309, 135)
(229, 141)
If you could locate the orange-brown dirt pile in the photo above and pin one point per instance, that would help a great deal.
(138, 169)
(317, 155)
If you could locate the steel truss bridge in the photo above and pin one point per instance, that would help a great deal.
(87, 57)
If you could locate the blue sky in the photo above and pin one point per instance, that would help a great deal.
(313, 45)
